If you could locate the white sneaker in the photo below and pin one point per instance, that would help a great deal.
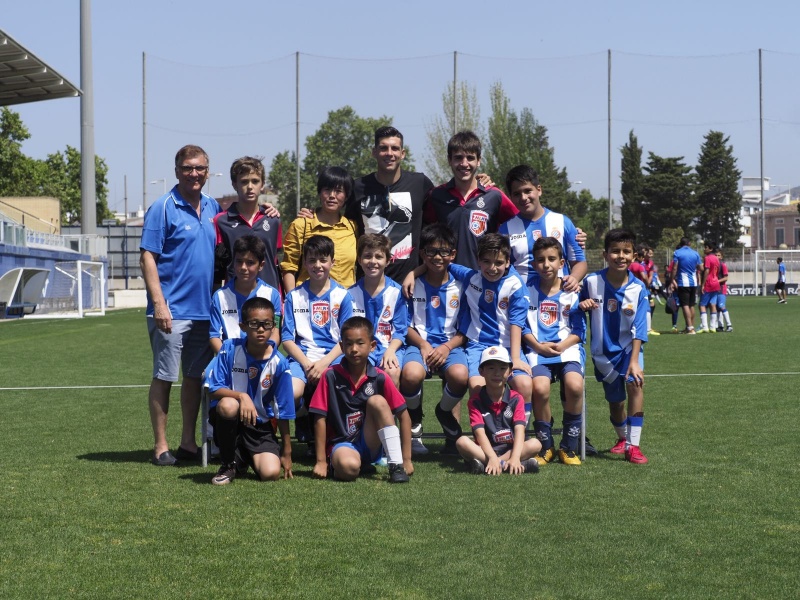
(417, 447)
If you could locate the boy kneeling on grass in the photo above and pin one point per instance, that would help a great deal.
(251, 387)
(354, 406)
(497, 417)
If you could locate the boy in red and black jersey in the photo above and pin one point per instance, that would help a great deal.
(355, 405)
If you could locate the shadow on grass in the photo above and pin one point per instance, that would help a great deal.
(129, 456)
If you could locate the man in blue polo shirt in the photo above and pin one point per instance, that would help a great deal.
(687, 269)
(177, 260)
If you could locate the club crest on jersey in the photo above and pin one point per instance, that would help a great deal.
(548, 313)
(555, 233)
(488, 296)
(252, 372)
(628, 310)
(566, 310)
(387, 312)
(453, 302)
(335, 311)
(508, 412)
(266, 383)
(369, 389)
(612, 305)
(536, 234)
(435, 301)
(320, 313)
(353, 422)
(503, 304)
(265, 225)
(481, 203)
(503, 436)
(478, 222)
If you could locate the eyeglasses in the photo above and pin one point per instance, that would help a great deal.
(187, 169)
(255, 325)
(443, 252)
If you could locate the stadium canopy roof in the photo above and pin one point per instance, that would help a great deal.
(26, 78)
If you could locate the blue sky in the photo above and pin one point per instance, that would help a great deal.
(225, 79)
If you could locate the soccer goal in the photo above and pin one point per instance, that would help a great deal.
(75, 288)
(765, 270)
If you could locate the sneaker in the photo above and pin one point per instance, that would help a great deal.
(704, 330)
(381, 462)
(568, 457)
(417, 447)
(165, 459)
(545, 456)
(691, 332)
(634, 455)
(729, 329)
(781, 301)
(449, 448)
(711, 331)
(475, 466)
(653, 332)
(675, 329)
(397, 474)
(720, 328)
(416, 430)
(619, 447)
(589, 448)
(225, 475)
(531, 465)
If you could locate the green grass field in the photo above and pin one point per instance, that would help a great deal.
(715, 514)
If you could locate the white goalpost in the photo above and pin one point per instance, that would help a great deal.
(75, 289)
(765, 269)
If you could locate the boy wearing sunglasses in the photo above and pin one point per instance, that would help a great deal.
(251, 394)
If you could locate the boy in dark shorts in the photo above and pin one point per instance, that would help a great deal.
(497, 416)
(354, 406)
(251, 390)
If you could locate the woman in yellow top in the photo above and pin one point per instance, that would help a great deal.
(333, 186)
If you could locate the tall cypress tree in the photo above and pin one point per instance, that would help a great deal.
(632, 184)
(669, 200)
(717, 191)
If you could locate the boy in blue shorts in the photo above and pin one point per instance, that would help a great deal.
(724, 323)
(433, 343)
(556, 342)
(617, 305)
(354, 406)
(249, 254)
(312, 317)
(497, 417)
(710, 288)
(780, 285)
(534, 221)
(380, 300)
(251, 387)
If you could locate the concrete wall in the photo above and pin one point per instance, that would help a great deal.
(37, 214)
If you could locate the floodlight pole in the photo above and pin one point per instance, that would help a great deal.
(297, 121)
(762, 222)
(455, 92)
(88, 194)
(610, 201)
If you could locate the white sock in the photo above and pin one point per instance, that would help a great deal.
(726, 318)
(390, 439)
(713, 320)
(448, 401)
(703, 320)
(649, 321)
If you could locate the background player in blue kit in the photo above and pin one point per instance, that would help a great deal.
(556, 342)
(617, 305)
(497, 417)
(535, 221)
(780, 285)
(312, 317)
(250, 386)
(248, 260)
(433, 343)
(380, 300)
(686, 265)
(354, 406)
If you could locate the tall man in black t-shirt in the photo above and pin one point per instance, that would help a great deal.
(389, 201)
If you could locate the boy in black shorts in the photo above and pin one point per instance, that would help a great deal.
(251, 390)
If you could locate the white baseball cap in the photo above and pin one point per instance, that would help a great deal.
(497, 353)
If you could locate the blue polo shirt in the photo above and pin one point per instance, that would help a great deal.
(184, 247)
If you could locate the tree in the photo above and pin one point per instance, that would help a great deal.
(63, 180)
(668, 197)
(591, 215)
(717, 191)
(343, 140)
(440, 130)
(632, 184)
(58, 176)
(519, 139)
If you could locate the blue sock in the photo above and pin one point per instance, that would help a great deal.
(572, 431)
(544, 433)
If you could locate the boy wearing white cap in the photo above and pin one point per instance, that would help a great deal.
(497, 417)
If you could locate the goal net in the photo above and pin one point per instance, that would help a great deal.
(765, 270)
(75, 288)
